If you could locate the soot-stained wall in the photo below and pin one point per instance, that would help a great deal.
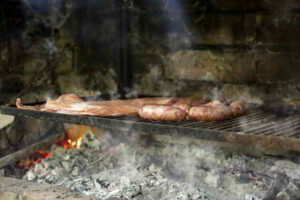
(233, 49)
(54, 47)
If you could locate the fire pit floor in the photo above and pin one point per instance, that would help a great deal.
(15, 189)
(130, 171)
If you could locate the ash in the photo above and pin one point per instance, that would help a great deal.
(178, 172)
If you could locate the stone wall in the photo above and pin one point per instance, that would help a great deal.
(48, 48)
(74, 46)
(228, 48)
(57, 47)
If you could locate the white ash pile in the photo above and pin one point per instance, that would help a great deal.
(172, 172)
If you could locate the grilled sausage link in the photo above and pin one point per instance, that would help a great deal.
(183, 107)
(238, 108)
(213, 110)
(162, 112)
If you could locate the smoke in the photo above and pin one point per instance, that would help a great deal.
(50, 46)
(188, 163)
(177, 22)
(216, 93)
(47, 16)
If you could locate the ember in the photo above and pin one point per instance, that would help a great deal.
(66, 143)
(35, 158)
(133, 172)
(71, 140)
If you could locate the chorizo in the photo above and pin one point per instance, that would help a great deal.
(211, 111)
(183, 107)
(162, 112)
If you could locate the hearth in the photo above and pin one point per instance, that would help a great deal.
(130, 169)
(134, 158)
(125, 49)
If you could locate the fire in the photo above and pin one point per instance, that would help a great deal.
(35, 158)
(74, 144)
(72, 139)
(74, 136)
(69, 144)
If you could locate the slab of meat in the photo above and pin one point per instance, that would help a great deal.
(67, 98)
(84, 108)
(173, 109)
(62, 102)
(72, 104)
(162, 112)
(238, 108)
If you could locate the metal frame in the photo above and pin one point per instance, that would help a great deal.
(262, 130)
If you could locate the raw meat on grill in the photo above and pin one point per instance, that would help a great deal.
(148, 108)
(238, 108)
(68, 98)
(72, 104)
(84, 108)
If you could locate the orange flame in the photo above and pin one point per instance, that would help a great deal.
(73, 138)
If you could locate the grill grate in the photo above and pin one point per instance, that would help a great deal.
(258, 128)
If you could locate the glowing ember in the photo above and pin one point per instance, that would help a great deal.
(73, 144)
(67, 143)
(72, 139)
(35, 158)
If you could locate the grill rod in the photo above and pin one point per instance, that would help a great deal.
(259, 129)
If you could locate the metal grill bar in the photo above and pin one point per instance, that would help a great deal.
(250, 129)
(250, 121)
(227, 123)
(265, 127)
(258, 122)
(285, 128)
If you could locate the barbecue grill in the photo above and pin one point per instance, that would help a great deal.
(120, 49)
(264, 130)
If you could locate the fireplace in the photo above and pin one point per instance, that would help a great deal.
(125, 49)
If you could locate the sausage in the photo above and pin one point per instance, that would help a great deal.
(211, 111)
(183, 107)
(188, 100)
(162, 112)
(238, 108)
